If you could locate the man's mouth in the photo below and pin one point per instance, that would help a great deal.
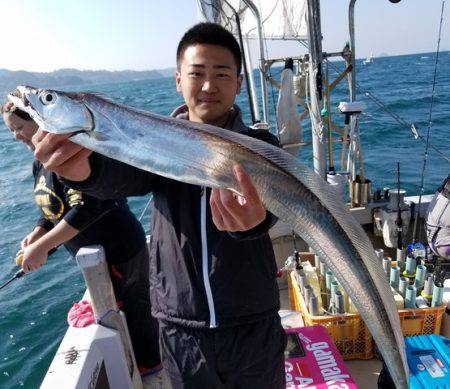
(209, 101)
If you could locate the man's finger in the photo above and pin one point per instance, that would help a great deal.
(45, 142)
(227, 206)
(246, 184)
(62, 154)
(232, 210)
(38, 136)
(227, 220)
(215, 213)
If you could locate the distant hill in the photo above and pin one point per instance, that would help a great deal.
(67, 77)
(168, 72)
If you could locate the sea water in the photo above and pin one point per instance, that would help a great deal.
(33, 309)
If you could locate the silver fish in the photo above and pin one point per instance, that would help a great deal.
(204, 155)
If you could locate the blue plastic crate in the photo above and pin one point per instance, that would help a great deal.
(429, 361)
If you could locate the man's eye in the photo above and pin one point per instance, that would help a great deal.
(195, 74)
(223, 75)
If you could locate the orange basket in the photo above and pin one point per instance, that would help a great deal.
(349, 333)
(421, 321)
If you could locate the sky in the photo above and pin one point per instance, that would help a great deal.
(46, 35)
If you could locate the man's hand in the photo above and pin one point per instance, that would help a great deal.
(33, 236)
(237, 213)
(61, 156)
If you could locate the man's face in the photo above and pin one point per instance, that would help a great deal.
(208, 80)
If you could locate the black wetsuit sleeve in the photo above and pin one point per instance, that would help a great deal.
(84, 210)
(270, 220)
(111, 179)
(44, 223)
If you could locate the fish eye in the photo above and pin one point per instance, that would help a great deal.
(47, 98)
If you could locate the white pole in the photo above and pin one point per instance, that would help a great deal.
(262, 62)
(251, 78)
(315, 72)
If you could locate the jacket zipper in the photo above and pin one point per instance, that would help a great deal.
(209, 296)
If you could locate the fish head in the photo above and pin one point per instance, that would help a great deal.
(54, 111)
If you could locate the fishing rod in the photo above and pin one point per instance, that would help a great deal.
(425, 155)
(19, 255)
(19, 274)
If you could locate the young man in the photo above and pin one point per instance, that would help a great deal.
(74, 219)
(212, 270)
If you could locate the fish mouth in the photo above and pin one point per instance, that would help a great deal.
(23, 98)
(19, 96)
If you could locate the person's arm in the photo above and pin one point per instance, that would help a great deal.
(84, 211)
(89, 172)
(35, 255)
(33, 236)
(111, 179)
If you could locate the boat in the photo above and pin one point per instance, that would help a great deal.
(100, 354)
(369, 60)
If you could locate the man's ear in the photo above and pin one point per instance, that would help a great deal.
(239, 84)
(178, 80)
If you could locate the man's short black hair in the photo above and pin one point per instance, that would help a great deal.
(209, 34)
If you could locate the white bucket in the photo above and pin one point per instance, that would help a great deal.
(339, 181)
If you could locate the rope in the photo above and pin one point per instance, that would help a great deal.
(146, 207)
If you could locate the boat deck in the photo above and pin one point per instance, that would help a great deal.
(364, 372)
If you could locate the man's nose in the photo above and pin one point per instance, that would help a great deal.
(209, 86)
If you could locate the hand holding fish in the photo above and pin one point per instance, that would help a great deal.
(231, 212)
(61, 156)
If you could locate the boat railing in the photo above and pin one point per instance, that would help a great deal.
(92, 262)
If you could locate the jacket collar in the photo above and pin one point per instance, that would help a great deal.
(234, 123)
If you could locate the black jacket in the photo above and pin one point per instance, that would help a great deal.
(107, 222)
(199, 276)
